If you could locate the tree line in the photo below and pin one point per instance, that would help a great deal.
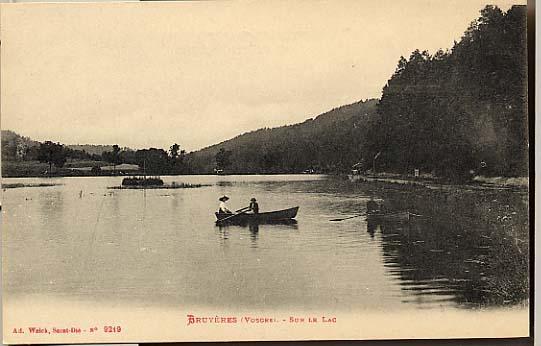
(463, 111)
(152, 160)
(454, 114)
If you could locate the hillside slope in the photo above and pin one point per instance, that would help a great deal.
(463, 111)
(331, 142)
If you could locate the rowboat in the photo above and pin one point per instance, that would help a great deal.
(392, 216)
(267, 217)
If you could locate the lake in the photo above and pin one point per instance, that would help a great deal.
(83, 242)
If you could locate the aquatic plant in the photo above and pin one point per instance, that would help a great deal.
(142, 181)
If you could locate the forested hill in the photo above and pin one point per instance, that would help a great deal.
(463, 111)
(333, 141)
(454, 114)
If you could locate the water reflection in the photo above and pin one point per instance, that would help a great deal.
(51, 203)
(163, 247)
(254, 228)
(286, 224)
(371, 228)
(439, 261)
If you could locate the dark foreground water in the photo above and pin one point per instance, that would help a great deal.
(83, 241)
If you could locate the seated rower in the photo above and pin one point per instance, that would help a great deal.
(254, 207)
(372, 207)
(223, 206)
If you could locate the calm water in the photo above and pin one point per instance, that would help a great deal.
(83, 241)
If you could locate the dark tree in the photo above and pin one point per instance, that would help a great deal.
(113, 156)
(116, 157)
(128, 156)
(153, 161)
(177, 159)
(53, 154)
(96, 170)
(223, 158)
(174, 151)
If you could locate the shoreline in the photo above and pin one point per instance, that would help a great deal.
(518, 184)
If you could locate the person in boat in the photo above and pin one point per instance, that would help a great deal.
(372, 207)
(223, 205)
(254, 207)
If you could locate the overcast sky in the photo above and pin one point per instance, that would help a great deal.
(198, 73)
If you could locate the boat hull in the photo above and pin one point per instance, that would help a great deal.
(268, 217)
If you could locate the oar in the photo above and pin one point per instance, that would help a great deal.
(349, 217)
(232, 216)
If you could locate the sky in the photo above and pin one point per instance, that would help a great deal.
(198, 73)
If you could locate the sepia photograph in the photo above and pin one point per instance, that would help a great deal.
(264, 171)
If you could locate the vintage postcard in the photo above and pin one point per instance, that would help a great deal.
(282, 170)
